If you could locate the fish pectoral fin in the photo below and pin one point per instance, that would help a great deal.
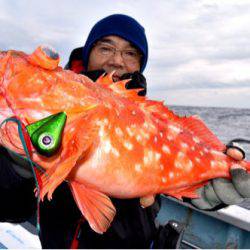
(55, 175)
(95, 206)
(75, 145)
(188, 192)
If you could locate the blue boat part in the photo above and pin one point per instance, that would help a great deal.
(226, 228)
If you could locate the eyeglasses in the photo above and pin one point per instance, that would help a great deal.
(129, 55)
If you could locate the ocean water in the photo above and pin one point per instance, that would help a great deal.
(226, 123)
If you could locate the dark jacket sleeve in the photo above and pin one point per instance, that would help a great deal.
(18, 202)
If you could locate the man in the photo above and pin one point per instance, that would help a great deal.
(100, 55)
(118, 43)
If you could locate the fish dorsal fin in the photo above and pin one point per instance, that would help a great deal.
(119, 88)
(193, 123)
(105, 79)
(96, 207)
(131, 94)
(202, 132)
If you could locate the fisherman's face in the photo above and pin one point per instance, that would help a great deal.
(114, 53)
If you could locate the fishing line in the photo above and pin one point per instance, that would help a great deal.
(32, 164)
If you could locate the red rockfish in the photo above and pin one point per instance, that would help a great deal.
(114, 143)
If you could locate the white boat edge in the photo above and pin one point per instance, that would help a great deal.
(15, 236)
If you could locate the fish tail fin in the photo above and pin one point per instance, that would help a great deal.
(95, 206)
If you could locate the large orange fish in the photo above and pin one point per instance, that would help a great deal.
(115, 143)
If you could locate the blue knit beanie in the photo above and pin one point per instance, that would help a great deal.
(120, 25)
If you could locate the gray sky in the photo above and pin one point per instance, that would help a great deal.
(199, 50)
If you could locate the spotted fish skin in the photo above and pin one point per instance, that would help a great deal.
(137, 154)
(115, 143)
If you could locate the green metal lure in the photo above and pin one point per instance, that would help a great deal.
(46, 134)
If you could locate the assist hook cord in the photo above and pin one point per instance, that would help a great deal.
(32, 164)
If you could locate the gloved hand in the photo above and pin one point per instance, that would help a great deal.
(137, 81)
(221, 192)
